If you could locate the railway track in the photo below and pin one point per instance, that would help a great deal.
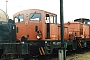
(81, 54)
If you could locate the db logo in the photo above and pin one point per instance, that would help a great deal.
(26, 22)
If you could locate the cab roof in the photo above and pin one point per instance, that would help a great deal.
(34, 10)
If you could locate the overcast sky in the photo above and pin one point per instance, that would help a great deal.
(73, 9)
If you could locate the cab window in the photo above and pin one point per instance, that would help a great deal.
(88, 23)
(19, 18)
(55, 19)
(35, 16)
(51, 19)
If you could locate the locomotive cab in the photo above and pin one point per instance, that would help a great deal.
(36, 24)
(83, 20)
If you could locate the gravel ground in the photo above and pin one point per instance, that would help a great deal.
(82, 56)
(85, 55)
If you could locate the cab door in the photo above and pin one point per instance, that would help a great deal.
(47, 26)
(51, 27)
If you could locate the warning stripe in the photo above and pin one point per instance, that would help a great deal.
(79, 43)
(40, 51)
(43, 50)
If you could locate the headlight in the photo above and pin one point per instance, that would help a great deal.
(22, 42)
(38, 37)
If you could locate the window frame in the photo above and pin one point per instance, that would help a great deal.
(55, 21)
(21, 15)
(40, 18)
(18, 18)
(52, 19)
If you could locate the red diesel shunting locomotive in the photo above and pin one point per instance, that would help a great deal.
(39, 27)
